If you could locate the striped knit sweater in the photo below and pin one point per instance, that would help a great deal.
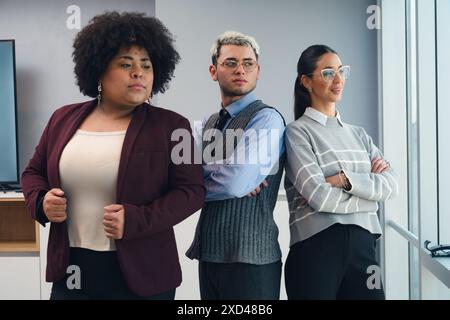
(318, 147)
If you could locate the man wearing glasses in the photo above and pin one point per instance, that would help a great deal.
(236, 241)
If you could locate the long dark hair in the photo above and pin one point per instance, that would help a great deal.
(305, 66)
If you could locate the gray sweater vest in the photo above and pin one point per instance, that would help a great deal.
(239, 229)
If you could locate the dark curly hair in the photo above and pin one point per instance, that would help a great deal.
(98, 42)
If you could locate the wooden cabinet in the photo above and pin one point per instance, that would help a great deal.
(18, 231)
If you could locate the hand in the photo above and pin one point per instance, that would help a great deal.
(379, 165)
(55, 205)
(264, 184)
(335, 181)
(114, 221)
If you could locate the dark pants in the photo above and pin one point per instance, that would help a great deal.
(336, 263)
(239, 281)
(101, 278)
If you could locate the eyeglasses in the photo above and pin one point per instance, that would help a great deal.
(441, 250)
(230, 64)
(329, 74)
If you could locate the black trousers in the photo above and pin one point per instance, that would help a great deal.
(239, 281)
(336, 263)
(101, 279)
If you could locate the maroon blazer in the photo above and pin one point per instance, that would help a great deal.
(156, 194)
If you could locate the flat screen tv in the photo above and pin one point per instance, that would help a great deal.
(9, 160)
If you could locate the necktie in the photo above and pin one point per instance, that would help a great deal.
(223, 118)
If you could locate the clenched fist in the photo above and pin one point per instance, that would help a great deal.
(114, 221)
(55, 205)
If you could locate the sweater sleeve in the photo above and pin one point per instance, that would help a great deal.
(373, 186)
(303, 170)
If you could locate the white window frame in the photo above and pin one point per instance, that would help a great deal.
(402, 240)
(443, 115)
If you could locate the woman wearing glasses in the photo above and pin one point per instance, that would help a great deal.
(335, 176)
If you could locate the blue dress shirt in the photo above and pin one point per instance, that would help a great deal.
(254, 157)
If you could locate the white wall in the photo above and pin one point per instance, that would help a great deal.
(19, 276)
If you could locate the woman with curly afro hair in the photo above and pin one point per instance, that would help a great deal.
(102, 173)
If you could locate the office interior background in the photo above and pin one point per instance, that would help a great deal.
(398, 51)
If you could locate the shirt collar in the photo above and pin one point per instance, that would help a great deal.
(320, 117)
(338, 117)
(239, 105)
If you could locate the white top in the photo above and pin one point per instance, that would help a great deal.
(88, 169)
(320, 117)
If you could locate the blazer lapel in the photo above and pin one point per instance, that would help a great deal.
(136, 124)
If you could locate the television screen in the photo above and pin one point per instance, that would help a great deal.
(9, 173)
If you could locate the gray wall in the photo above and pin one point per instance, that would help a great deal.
(283, 30)
(45, 79)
